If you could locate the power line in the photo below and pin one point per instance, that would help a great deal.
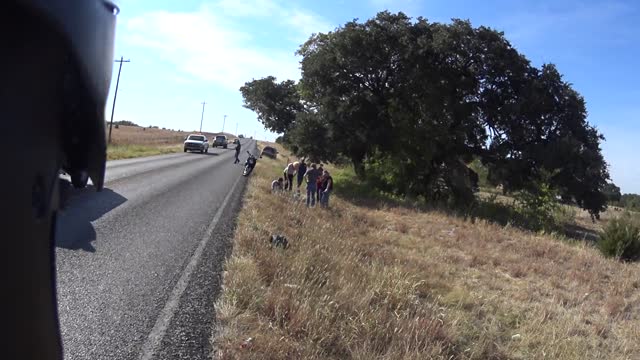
(115, 95)
(202, 116)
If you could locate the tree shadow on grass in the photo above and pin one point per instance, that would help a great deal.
(503, 214)
(578, 232)
(361, 193)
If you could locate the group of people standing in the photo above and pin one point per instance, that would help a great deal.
(318, 180)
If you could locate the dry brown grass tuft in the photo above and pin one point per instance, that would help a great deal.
(392, 283)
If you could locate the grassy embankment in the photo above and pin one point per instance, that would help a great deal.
(371, 281)
(118, 152)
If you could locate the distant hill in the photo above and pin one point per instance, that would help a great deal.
(122, 123)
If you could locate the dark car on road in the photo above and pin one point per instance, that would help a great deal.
(220, 140)
(196, 143)
(269, 151)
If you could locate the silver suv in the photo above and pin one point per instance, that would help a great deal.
(196, 143)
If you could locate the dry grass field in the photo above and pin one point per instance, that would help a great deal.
(392, 282)
(135, 141)
(138, 135)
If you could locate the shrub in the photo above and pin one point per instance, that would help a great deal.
(495, 211)
(533, 211)
(538, 207)
(621, 239)
(482, 171)
(564, 214)
(347, 184)
(630, 202)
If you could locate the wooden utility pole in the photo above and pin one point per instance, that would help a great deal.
(115, 95)
(202, 116)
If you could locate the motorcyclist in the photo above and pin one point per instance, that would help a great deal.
(250, 163)
(56, 70)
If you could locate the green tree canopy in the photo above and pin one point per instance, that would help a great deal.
(422, 100)
(125, 123)
(276, 104)
(612, 192)
(630, 201)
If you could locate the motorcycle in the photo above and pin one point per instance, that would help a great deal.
(249, 164)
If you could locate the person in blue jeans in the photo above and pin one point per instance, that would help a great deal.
(327, 188)
(312, 176)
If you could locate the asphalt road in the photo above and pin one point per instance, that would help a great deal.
(138, 264)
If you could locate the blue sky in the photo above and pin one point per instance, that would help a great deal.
(185, 52)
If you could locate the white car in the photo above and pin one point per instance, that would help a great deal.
(196, 142)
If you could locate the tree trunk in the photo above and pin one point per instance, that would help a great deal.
(358, 167)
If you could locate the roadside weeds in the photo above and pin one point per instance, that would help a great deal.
(390, 282)
(117, 152)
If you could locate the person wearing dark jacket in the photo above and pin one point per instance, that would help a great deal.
(238, 147)
(312, 176)
(327, 188)
(302, 170)
(319, 183)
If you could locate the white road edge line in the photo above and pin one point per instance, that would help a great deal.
(162, 323)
